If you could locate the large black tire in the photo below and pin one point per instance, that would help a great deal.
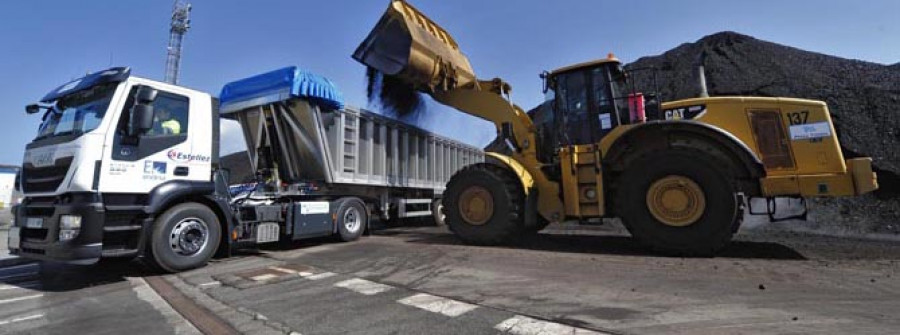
(502, 224)
(184, 237)
(352, 219)
(702, 237)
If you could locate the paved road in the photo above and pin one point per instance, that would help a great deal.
(56, 299)
(421, 280)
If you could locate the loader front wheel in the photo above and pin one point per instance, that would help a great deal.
(484, 205)
(679, 202)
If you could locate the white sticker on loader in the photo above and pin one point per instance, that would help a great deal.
(810, 131)
(605, 121)
(314, 207)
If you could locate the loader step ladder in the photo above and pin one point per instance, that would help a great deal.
(582, 181)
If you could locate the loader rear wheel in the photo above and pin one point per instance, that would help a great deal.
(484, 205)
(679, 202)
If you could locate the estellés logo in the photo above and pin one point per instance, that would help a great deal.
(181, 157)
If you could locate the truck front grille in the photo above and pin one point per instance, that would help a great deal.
(45, 179)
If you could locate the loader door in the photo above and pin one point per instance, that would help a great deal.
(585, 105)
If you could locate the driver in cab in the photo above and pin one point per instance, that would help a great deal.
(164, 123)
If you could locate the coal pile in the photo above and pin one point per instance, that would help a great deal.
(863, 98)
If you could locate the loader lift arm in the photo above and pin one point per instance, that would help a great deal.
(408, 45)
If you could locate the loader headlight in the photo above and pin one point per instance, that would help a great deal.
(69, 227)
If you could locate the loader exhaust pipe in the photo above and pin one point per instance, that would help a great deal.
(701, 74)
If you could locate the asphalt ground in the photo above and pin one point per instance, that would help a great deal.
(421, 280)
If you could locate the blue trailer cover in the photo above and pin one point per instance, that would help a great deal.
(279, 85)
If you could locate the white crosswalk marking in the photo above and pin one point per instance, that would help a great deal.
(523, 325)
(428, 302)
(320, 276)
(363, 286)
(29, 284)
(24, 318)
(27, 297)
(264, 277)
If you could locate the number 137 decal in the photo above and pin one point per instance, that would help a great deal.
(796, 118)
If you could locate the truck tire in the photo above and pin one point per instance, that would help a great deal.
(679, 202)
(184, 237)
(351, 220)
(484, 204)
(437, 213)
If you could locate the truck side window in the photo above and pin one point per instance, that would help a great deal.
(170, 114)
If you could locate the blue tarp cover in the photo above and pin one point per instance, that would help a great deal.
(280, 85)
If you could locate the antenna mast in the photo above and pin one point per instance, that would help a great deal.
(181, 21)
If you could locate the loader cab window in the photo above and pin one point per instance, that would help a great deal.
(585, 105)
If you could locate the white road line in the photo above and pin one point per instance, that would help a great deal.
(29, 265)
(264, 277)
(27, 297)
(211, 284)
(322, 275)
(428, 302)
(18, 275)
(523, 325)
(29, 284)
(180, 325)
(288, 271)
(363, 286)
(304, 274)
(24, 318)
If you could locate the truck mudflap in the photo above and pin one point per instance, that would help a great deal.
(37, 232)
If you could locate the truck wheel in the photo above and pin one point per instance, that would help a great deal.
(351, 220)
(484, 205)
(437, 212)
(184, 237)
(679, 202)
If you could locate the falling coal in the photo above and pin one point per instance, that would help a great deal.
(396, 97)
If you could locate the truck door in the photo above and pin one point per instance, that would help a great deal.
(137, 164)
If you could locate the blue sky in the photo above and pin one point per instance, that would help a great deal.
(45, 43)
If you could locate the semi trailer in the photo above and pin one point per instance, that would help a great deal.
(126, 167)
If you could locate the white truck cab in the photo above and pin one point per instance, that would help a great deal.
(111, 151)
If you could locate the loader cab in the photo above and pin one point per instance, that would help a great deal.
(584, 100)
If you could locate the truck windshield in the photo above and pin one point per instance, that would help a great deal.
(77, 113)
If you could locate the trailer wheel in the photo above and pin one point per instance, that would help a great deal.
(184, 237)
(351, 220)
(678, 202)
(437, 212)
(484, 204)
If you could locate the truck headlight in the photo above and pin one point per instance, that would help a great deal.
(69, 227)
(70, 222)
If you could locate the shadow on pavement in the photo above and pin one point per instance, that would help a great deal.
(599, 244)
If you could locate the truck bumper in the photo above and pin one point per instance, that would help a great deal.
(38, 232)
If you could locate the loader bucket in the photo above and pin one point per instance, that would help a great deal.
(408, 45)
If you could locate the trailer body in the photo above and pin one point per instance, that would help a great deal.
(127, 167)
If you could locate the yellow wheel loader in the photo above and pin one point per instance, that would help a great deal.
(677, 173)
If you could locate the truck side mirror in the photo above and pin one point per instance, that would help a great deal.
(142, 111)
(32, 108)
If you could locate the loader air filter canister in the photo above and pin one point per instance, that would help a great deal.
(636, 107)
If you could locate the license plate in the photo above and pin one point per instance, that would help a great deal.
(13, 241)
(34, 223)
